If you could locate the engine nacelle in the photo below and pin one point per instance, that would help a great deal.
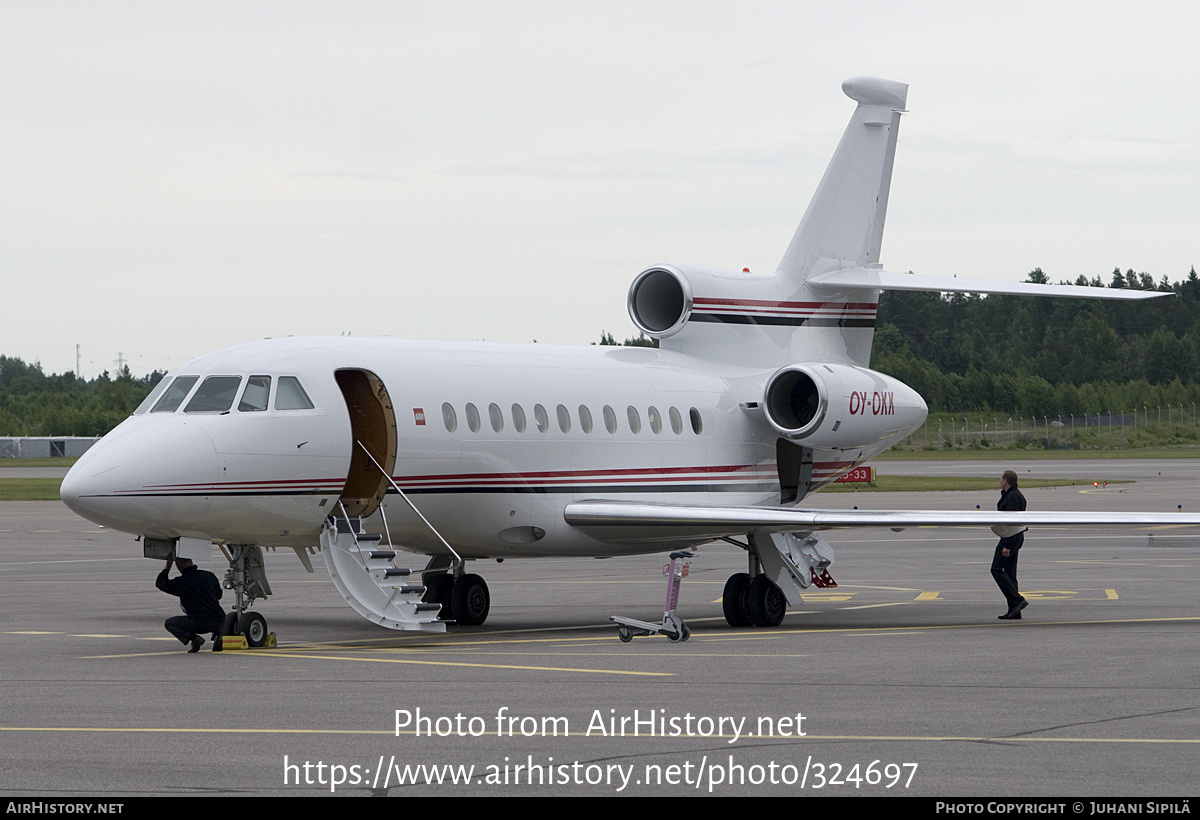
(662, 298)
(660, 301)
(838, 406)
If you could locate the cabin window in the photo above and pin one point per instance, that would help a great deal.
(540, 418)
(215, 395)
(564, 418)
(496, 417)
(473, 417)
(610, 419)
(175, 394)
(290, 395)
(635, 420)
(697, 423)
(254, 397)
(149, 401)
(449, 417)
(518, 414)
(676, 421)
(655, 420)
(585, 419)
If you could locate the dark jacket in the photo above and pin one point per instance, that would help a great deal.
(1011, 500)
(197, 590)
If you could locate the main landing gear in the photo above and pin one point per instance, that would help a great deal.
(464, 598)
(247, 577)
(782, 565)
(753, 601)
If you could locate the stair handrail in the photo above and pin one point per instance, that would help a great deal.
(458, 558)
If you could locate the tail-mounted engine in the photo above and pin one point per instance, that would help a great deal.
(660, 301)
(837, 406)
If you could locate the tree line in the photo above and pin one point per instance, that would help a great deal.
(963, 353)
(1045, 356)
(33, 403)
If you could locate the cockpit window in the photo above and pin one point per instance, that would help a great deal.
(289, 395)
(215, 395)
(176, 393)
(148, 402)
(258, 388)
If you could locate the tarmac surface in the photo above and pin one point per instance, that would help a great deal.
(907, 682)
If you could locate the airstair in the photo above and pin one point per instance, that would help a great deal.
(365, 573)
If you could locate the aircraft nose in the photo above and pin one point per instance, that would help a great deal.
(69, 491)
(149, 476)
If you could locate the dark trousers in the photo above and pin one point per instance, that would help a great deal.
(185, 627)
(1004, 570)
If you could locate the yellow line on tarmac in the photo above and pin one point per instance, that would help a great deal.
(876, 606)
(470, 665)
(1111, 593)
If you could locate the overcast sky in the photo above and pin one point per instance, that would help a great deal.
(178, 177)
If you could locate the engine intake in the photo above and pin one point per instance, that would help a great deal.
(660, 301)
(838, 406)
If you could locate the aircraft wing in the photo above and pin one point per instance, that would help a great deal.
(872, 279)
(632, 522)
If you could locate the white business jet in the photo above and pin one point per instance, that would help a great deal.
(759, 395)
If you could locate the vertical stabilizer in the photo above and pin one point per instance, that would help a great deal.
(843, 226)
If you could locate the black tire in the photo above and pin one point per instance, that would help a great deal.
(735, 601)
(767, 603)
(229, 626)
(437, 591)
(470, 600)
(254, 627)
(686, 632)
(624, 634)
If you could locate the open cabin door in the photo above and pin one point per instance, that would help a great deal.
(372, 425)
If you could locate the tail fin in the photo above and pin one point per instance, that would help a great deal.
(843, 226)
(797, 314)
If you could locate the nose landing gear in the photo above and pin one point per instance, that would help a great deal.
(247, 577)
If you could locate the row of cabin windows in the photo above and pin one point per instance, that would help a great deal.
(216, 394)
(541, 419)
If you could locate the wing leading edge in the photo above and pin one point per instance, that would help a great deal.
(632, 522)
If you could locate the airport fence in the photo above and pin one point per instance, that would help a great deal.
(1146, 426)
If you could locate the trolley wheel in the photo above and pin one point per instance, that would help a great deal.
(625, 634)
(673, 628)
(254, 627)
(686, 631)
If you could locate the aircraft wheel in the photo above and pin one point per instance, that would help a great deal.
(767, 603)
(254, 627)
(438, 592)
(229, 625)
(735, 601)
(470, 600)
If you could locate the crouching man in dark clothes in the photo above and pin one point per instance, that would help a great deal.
(1004, 563)
(198, 592)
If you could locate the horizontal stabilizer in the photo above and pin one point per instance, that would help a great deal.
(659, 522)
(871, 279)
